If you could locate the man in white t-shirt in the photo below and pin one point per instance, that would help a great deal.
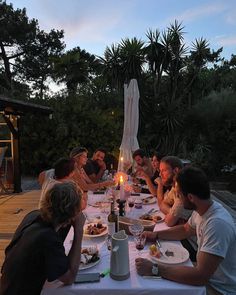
(216, 237)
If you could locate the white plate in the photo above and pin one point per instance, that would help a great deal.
(94, 236)
(150, 200)
(95, 204)
(89, 265)
(180, 254)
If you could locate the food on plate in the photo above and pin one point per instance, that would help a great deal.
(169, 253)
(95, 229)
(146, 217)
(89, 255)
(150, 217)
(97, 204)
(154, 251)
(157, 218)
(147, 200)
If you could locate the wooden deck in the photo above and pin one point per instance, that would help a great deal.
(12, 210)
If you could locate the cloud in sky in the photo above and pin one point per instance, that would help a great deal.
(93, 24)
(196, 13)
(226, 40)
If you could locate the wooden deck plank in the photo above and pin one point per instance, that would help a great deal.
(12, 210)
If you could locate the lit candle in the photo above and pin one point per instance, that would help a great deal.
(121, 163)
(122, 193)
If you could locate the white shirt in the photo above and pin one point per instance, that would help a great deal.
(216, 234)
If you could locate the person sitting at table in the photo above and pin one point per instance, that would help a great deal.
(142, 163)
(150, 181)
(169, 201)
(96, 166)
(80, 176)
(36, 252)
(215, 230)
(64, 169)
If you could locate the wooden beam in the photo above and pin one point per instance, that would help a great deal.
(14, 128)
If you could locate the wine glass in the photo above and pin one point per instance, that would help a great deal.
(136, 229)
(130, 202)
(140, 243)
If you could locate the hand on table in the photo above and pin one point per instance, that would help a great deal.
(150, 236)
(143, 267)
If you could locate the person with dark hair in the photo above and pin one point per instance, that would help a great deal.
(64, 169)
(169, 168)
(96, 166)
(80, 177)
(215, 230)
(36, 252)
(150, 181)
(143, 163)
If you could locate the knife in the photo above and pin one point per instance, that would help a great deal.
(160, 247)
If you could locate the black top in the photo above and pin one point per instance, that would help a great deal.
(91, 167)
(36, 253)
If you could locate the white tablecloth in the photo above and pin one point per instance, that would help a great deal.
(132, 286)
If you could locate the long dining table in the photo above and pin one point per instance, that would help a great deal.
(135, 284)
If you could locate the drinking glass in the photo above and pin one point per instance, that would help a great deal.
(139, 242)
(130, 202)
(136, 229)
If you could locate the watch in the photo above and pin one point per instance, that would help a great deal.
(155, 269)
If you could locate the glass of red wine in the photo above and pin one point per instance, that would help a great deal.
(140, 243)
(130, 203)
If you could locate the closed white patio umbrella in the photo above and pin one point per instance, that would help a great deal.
(131, 121)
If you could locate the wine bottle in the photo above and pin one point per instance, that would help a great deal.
(112, 221)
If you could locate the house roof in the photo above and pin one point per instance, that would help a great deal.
(19, 107)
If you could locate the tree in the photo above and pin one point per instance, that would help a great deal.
(16, 33)
(26, 50)
(75, 67)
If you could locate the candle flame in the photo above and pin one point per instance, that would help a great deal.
(121, 159)
(121, 179)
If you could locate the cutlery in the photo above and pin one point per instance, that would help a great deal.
(160, 247)
(151, 211)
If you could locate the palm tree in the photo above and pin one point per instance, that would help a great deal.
(158, 57)
(200, 55)
(75, 67)
(112, 66)
(132, 58)
(173, 41)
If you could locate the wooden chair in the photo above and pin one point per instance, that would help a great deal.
(2, 154)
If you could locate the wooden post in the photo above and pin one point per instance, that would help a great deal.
(14, 128)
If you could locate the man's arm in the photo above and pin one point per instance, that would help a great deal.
(199, 275)
(171, 219)
(75, 251)
(178, 232)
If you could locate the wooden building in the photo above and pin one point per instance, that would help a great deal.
(11, 111)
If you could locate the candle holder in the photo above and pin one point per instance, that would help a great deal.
(121, 206)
